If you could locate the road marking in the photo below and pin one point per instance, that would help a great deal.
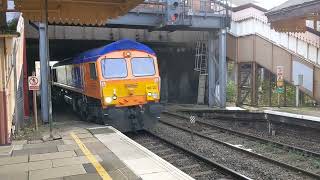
(101, 171)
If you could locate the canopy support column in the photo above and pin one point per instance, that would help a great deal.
(43, 72)
(222, 67)
(46, 107)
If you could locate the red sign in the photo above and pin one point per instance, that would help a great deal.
(34, 83)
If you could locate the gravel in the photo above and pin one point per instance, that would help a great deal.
(281, 154)
(250, 166)
(184, 161)
(301, 137)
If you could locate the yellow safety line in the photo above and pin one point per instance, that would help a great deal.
(102, 172)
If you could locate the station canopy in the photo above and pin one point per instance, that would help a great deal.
(78, 12)
(291, 16)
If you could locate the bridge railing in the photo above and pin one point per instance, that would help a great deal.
(191, 7)
(151, 6)
(181, 12)
(209, 6)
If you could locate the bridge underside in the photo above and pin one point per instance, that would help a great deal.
(178, 86)
(169, 15)
(146, 27)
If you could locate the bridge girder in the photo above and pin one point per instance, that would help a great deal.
(153, 21)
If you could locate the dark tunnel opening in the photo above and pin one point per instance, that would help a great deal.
(179, 82)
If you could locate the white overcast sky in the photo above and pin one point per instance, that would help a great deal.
(268, 4)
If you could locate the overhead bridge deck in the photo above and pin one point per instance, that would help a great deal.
(268, 49)
(155, 21)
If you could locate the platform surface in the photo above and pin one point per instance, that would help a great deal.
(61, 159)
(140, 160)
(66, 159)
(302, 113)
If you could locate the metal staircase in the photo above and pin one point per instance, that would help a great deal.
(201, 66)
(201, 56)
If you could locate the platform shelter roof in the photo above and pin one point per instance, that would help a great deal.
(77, 12)
(291, 16)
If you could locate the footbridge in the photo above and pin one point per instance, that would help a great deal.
(258, 49)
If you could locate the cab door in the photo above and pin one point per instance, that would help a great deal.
(91, 80)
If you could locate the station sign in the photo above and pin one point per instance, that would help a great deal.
(280, 79)
(34, 83)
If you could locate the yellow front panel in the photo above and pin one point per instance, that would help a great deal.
(131, 92)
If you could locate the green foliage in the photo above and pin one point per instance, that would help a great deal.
(12, 24)
(231, 89)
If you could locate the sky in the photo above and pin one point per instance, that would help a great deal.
(268, 4)
(11, 15)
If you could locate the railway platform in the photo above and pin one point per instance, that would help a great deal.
(303, 117)
(83, 151)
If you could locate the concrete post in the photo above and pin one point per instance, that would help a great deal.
(211, 70)
(222, 67)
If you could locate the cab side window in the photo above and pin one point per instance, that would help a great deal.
(93, 71)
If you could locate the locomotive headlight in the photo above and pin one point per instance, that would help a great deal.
(108, 100)
(149, 94)
(127, 54)
(114, 97)
(155, 95)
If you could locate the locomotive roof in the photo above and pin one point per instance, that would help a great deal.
(92, 55)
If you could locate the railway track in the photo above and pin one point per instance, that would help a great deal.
(295, 136)
(192, 163)
(279, 154)
(283, 145)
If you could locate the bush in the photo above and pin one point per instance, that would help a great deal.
(231, 89)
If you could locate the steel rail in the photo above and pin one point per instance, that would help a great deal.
(305, 151)
(281, 164)
(203, 158)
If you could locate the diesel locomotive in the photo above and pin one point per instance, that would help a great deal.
(117, 84)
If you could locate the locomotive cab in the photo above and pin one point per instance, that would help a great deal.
(130, 89)
(129, 81)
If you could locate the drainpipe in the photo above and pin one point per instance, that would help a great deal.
(14, 64)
